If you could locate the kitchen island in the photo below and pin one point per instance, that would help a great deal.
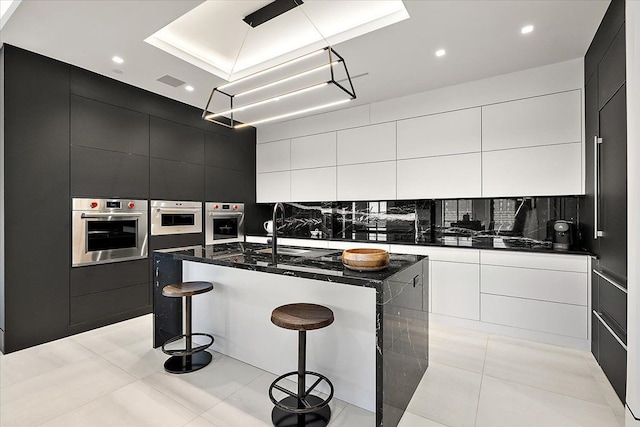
(374, 355)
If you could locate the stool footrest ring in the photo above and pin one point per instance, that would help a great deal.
(185, 352)
(302, 400)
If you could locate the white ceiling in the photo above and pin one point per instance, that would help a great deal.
(482, 39)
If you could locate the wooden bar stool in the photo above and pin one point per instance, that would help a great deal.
(301, 408)
(190, 358)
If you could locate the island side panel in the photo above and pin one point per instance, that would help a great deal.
(167, 312)
(406, 338)
(238, 312)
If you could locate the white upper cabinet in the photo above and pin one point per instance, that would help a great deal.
(542, 120)
(313, 185)
(454, 132)
(368, 181)
(367, 144)
(440, 177)
(273, 156)
(313, 151)
(535, 171)
(273, 187)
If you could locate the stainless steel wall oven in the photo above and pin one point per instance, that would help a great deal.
(174, 217)
(108, 230)
(224, 222)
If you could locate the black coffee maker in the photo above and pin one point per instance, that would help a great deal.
(561, 233)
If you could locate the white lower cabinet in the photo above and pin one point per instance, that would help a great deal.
(541, 316)
(456, 289)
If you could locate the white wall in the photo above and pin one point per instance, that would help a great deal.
(633, 208)
(538, 81)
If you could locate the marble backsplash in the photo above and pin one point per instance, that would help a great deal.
(522, 221)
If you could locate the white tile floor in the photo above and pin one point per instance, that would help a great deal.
(112, 377)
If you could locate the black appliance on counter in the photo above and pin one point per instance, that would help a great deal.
(562, 234)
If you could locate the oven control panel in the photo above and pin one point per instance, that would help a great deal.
(108, 205)
(224, 207)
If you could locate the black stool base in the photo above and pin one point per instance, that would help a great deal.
(319, 418)
(185, 364)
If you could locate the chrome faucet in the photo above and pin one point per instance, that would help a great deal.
(274, 240)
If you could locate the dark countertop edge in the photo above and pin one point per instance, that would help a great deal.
(439, 245)
(292, 272)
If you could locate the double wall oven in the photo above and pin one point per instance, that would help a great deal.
(224, 222)
(108, 230)
(175, 217)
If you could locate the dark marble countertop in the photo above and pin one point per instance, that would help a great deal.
(509, 243)
(318, 264)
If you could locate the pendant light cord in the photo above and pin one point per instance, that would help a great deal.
(301, 8)
(246, 35)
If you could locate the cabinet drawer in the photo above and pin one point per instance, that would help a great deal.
(612, 357)
(542, 316)
(576, 263)
(545, 285)
(99, 278)
(455, 289)
(87, 308)
(406, 288)
(612, 300)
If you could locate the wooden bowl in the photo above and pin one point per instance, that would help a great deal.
(365, 259)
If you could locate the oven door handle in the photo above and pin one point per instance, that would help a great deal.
(114, 214)
(222, 215)
(164, 211)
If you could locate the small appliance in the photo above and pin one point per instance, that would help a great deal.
(561, 234)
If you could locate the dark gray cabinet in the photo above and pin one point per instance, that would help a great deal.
(606, 185)
(612, 221)
(175, 141)
(68, 133)
(172, 180)
(34, 306)
(98, 125)
(105, 277)
(101, 173)
(224, 185)
(102, 294)
(227, 153)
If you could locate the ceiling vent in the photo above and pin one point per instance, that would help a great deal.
(171, 81)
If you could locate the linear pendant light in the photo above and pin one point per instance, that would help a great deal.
(282, 82)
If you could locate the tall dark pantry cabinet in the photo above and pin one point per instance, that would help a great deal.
(606, 202)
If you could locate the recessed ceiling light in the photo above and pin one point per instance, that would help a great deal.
(526, 29)
(189, 88)
(440, 52)
(117, 60)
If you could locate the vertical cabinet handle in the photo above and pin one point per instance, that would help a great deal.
(415, 280)
(596, 186)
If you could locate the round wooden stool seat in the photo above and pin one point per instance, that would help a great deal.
(186, 289)
(302, 316)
